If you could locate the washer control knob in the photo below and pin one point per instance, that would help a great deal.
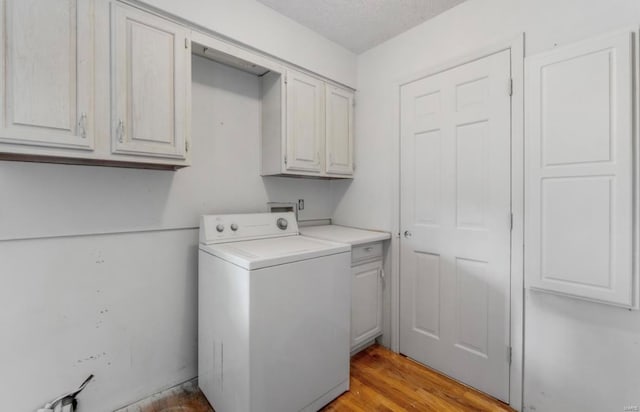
(220, 228)
(234, 227)
(282, 223)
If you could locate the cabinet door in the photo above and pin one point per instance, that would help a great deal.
(46, 67)
(580, 171)
(151, 81)
(366, 302)
(339, 131)
(305, 123)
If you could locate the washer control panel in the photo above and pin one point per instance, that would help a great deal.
(231, 228)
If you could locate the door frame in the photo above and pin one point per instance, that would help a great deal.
(516, 329)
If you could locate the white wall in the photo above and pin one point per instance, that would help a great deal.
(578, 355)
(98, 265)
(260, 27)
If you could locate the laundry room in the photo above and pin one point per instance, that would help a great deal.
(278, 205)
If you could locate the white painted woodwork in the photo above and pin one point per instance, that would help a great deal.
(366, 302)
(305, 123)
(273, 120)
(367, 252)
(151, 80)
(579, 168)
(46, 63)
(308, 127)
(339, 130)
(455, 209)
(367, 284)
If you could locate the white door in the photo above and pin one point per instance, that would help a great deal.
(339, 131)
(305, 123)
(46, 60)
(455, 215)
(152, 77)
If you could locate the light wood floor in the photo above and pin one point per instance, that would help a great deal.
(384, 381)
(380, 381)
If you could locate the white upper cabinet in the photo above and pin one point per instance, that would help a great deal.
(339, 131)
(305, 123)
(47, 73)
(580, 154)
(307, 127)
(151, 81)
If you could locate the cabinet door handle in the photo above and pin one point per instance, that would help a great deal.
(82, 125)
(120, 131)
(381, 273)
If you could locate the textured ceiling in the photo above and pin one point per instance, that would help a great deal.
(359, 25)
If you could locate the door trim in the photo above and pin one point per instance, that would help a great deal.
(516, 46)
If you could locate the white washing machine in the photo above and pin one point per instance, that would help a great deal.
(274, 315)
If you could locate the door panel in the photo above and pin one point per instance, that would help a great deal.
(366, 308)
(426, 299)
(47, 92)
(305, 123)
(455, 196)
(151, 78)
(339, 131)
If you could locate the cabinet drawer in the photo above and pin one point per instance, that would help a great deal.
(366, 252)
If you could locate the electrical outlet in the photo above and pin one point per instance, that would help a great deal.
(300, 204)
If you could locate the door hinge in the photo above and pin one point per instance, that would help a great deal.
(186, 145)
(509, 354)
(511, 221)
(510, 86)
(186, 43)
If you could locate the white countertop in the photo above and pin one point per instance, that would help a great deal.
(344, 234)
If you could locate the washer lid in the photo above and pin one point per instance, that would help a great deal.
(261, 253)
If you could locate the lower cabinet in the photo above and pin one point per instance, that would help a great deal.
(366, 301)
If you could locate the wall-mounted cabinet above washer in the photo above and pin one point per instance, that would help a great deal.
(151, 84)
(307, 127)
(106, 82)
(94, 82)
(46, 66)
(307, 122)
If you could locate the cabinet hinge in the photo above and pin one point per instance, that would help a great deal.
(509, 354)
(186, 43)
(510, 86)
(186, 146)
(285, 159)
(510, 221)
